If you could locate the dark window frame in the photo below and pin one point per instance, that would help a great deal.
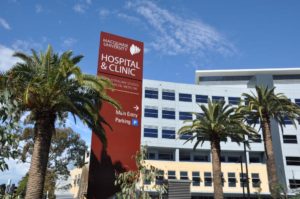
(185, 97)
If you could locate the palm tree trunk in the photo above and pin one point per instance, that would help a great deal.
(216, 164)
(44, 128)
(271, 164)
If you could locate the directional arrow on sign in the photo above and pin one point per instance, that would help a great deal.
(136, 108)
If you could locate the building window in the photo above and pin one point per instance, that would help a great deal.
(231, 180)
(217, 98)
(297, 101)
(184, 175)
(254, 159)
(184, 156)
(151, 155)
(168, 133)
(243, 179)
(233, 159)
(234, 100)
(183, 97)
(223, 180)
(168, 95)
(295, 161)
(196, 178)
(186, 136)
(201, 158)
(294, 183)
(255, 180)
(168, 114)
(151, 112)
(207, 179)
(185, 116)
(222, 158)
(150, 131)
(287, 121)
(159, 179)
(147, 181)
(290, 139)
(171, 175)
(151, 93)
(255, 138)
(166, 156)
(201, 98)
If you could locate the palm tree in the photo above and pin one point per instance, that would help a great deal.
(216, 124)
(264, 106)
(48, 86)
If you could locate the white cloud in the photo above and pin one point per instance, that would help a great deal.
(6, 58)
(82, 6)
(103, 13)
(128, 17)
(27, 45)
(69, 42)
(4, 24)
(177, 35)
(38, 8)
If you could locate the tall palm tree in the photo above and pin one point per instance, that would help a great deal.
(216, 124)
(49, 86)
(263, 106)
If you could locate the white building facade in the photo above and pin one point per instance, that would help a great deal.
(166, 105)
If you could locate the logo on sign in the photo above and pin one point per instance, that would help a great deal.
(134, 49)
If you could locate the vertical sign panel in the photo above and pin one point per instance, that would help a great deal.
(121, 61)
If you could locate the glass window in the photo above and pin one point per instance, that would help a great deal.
(184, 175)
(151, 155)
(186, 136)
(207, 179)
(201, 158)
(151, 112)
(168, 95)
(243, 179)
(294, 183)
(290, 139)
(222, 158)
(185, 116)
(151, 93)
(287, 121)
(196, 178)
(151, 132)
(255, 180)
(201, 98)
(147, 181)
(234, 100)
(295, 161)
(168, 133)
(165, 156)
(168, 114)
(233, 159)
(255, 138)
(171, 175)
(217, 98)
(183, 97)
(184, 156)
(254, 159)
(159, 179)
(231, 179)
(297, 101)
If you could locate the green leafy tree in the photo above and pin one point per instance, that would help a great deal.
(218, 122)
(8, 147)
(67, 148)
(263, 106)
(132, 183)
(48, 86)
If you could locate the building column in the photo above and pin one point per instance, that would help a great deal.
(177, 155)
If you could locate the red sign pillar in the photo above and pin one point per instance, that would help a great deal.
(121, 61)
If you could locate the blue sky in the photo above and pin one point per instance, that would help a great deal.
(180, 36)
